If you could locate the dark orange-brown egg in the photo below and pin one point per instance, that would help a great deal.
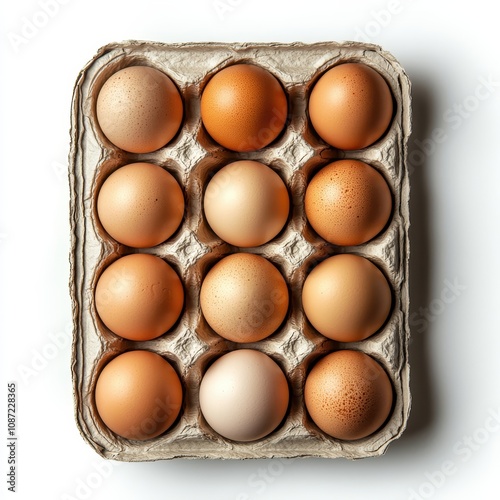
(243, 107)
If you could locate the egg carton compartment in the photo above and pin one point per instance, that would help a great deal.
(192, 157)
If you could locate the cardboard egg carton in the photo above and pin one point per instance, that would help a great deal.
(193, 157)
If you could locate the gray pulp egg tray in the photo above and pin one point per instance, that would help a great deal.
(193, 157)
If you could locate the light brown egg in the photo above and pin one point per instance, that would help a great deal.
(139, 109)
(243, 107)
(244, 298)
(244, 395)
(348, 202)
(348, 395)
(246, 203)
(346, 298)
(351, 106)
(139, 297)
(140, 205)
(138, 395)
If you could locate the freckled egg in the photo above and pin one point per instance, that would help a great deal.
(348, 202)
(346, 298)
(138, 395)
(243, 107)
(139, 297)
(244, 298)
(348, 395)
(244, 395)
(139, 109)
(246, 203)
(140, 205)
(350, 106)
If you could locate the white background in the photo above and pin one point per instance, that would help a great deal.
(447, 51)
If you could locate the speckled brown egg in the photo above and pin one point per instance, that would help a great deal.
(243, 107)
(246, 203)
(348, 395)
(138, 395)
(139, 297)
(139, 109)
(140, 205)
(351, 106)
(348, 202)
(244, 297)
(346, 298)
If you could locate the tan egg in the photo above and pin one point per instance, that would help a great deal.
(244, 298)
(244, 395)
(351, 106)
(140, 205)
(348, 395)
(348, 202)
(139, 297)
(139, 109)
(138, 395)
(243, 107)
(346, 298)
(246, 203)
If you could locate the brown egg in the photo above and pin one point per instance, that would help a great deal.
(140, 205)
(243, 107)
(244, 395)
(139, 109)
(244, 298)
(246, 203)
(346, 298)
(138, 395)
(348, 202)
(348, 395)
(139, 297)
(351, 106)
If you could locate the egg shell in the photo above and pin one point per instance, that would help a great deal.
(244, 395)
(244, 107)
(138, 395)
(244, 298)
(348, 395)
(351, 106)
(246, 203)
(139, 297)
(346, 298)
(348, 202)
(139, 109)
(140, 205)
